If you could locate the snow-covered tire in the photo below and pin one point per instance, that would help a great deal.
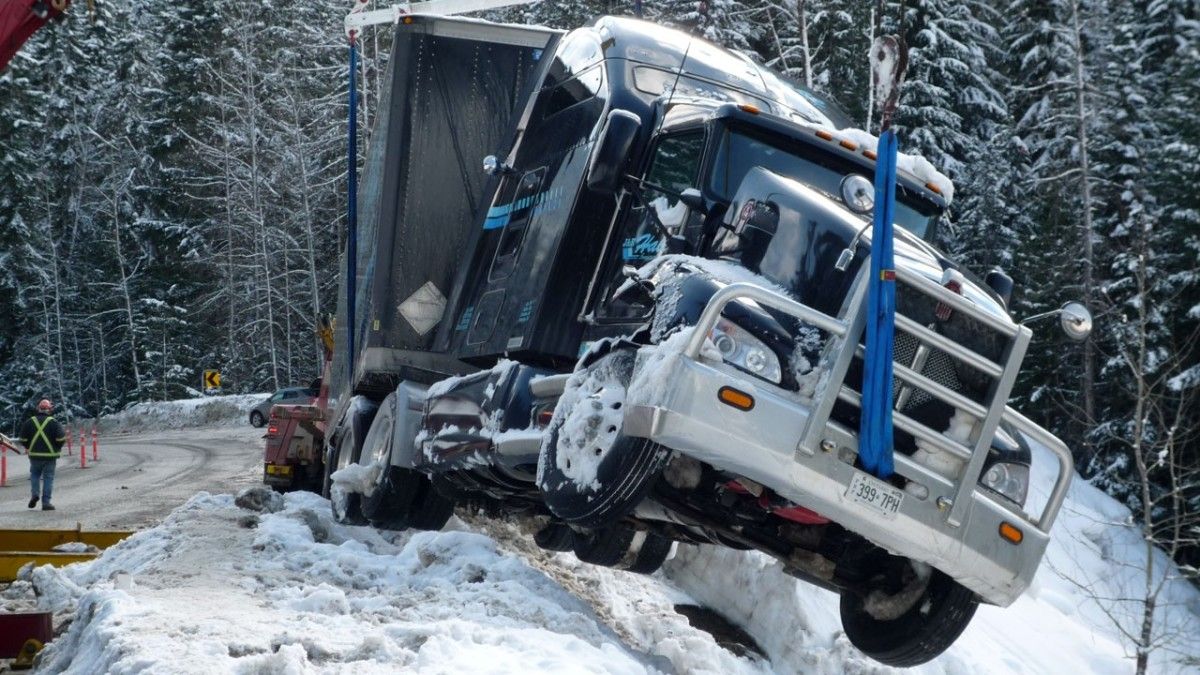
(920, 634)
(627, 467)
(346, 505)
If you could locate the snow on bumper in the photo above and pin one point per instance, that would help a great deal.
(762, 444)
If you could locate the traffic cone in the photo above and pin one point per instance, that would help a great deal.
(95, 445)
(68, 441)
(3, 465)
(82, 450)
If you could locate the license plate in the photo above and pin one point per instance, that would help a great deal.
(876, 494)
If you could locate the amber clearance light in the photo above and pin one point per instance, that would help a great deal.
(738, 399)
(1010, 533)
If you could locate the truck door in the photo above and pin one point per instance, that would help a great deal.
(675, 165)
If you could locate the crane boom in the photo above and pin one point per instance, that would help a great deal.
(20, 19)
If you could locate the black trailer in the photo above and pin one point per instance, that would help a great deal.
(454, 92)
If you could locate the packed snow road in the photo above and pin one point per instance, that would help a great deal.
(139, 479)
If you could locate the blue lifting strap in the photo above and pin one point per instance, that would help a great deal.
(875, 428)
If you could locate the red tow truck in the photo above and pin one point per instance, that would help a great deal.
(293, 457)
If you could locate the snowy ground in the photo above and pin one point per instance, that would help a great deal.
(139, 478)
(220, 588)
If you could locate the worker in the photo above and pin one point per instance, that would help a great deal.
(43, 439)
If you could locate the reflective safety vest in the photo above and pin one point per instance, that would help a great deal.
(38, 444)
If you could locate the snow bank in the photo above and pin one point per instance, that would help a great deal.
(1067, 622)
(206, 411)
(217, 588)
(211, 590)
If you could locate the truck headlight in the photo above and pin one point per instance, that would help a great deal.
(1008, 480)
(738, 347)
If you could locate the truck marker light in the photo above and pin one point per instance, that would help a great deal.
(933, 188)
(1010, 533)
(870, 154)
(737, 399)
(825, 135)
(849, 145)
(272, 430)
(752, 109)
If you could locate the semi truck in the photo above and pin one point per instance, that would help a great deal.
(614, 280)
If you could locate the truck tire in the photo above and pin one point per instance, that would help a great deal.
(405, 499)
(613, 547)
(920, 634)
(555, 537)
(628, 469)
(346, 505)
(401, 498)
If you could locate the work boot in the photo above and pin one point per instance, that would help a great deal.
(47, 507)
(33, 502)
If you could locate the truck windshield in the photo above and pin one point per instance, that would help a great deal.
(740, 151)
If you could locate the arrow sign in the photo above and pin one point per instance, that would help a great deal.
(212, 379)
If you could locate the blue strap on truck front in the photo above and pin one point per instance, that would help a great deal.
(875, 428)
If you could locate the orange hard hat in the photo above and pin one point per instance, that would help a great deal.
(44, 405)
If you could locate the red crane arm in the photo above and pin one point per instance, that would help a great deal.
(19, 19)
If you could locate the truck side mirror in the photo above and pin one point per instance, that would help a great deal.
(1076, 321)
(493, 166)
(607, 166)
(694, 200)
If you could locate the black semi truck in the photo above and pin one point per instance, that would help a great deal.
(614, 280)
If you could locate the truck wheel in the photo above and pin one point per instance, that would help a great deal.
(622, 548)
(587, 428)
(926, 629)
(347, 505)
(555, 537)
(401, 498)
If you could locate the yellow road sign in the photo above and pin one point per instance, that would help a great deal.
(212, 379)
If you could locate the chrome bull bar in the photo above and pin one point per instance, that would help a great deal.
(843, 346)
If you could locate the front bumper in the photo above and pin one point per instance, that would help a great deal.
(789, 444)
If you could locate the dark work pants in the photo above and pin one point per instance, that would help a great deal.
(41, 471)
